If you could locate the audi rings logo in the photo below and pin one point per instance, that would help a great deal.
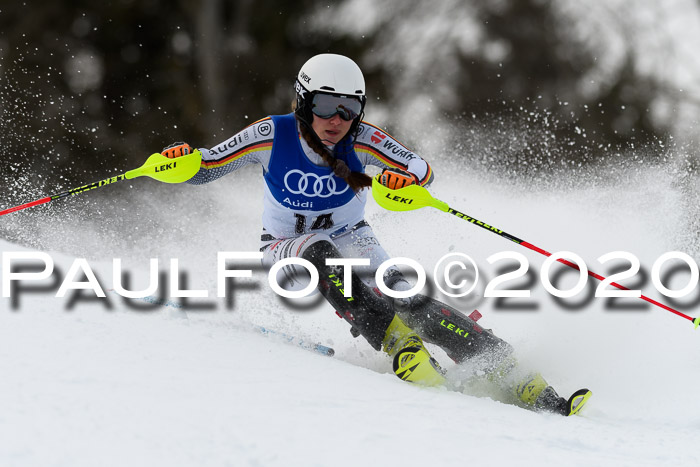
(311, 185)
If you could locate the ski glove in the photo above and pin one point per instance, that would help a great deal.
(395, 179)
(176, 150)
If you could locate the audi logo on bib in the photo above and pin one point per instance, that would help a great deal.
(311, 185)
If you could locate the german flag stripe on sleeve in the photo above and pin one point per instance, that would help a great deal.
(367, 149)
(242, 152)
(428, 175)
(383, 131)
(258, 121)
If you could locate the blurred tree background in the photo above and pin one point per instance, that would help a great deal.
(91, 88)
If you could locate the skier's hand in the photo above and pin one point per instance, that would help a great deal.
(176, 150)
(395, 179)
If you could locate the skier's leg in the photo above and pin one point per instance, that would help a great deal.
(368, 314)
(457, 334)
(463, 339)
(435, 322)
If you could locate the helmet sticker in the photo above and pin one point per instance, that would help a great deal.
(299, 89)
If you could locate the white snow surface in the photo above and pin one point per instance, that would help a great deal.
(87, 382)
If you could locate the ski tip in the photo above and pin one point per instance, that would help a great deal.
(696, 322)
(577, 401)
(322, 349)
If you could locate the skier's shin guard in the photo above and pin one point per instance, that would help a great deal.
(368, 313)
(457, 334)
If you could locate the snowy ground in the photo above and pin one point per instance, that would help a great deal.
(98, 382)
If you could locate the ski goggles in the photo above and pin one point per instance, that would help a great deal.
(326, 106)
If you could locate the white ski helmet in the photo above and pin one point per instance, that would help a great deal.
(334, 75)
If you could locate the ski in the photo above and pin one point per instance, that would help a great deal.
(284, 337)
(315, 347)
(577, 401)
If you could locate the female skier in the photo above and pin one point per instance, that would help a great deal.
(313, 164)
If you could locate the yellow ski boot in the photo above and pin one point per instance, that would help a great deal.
(538, 395)
(412, 362)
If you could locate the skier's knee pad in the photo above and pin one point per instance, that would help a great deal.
(317, 248)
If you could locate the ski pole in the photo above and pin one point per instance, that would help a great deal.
(157, 166)
(414, 197)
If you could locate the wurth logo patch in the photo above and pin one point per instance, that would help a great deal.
(378, 137)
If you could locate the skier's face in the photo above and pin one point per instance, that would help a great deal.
(331, 130)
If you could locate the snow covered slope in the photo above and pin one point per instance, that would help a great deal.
(87, 382)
